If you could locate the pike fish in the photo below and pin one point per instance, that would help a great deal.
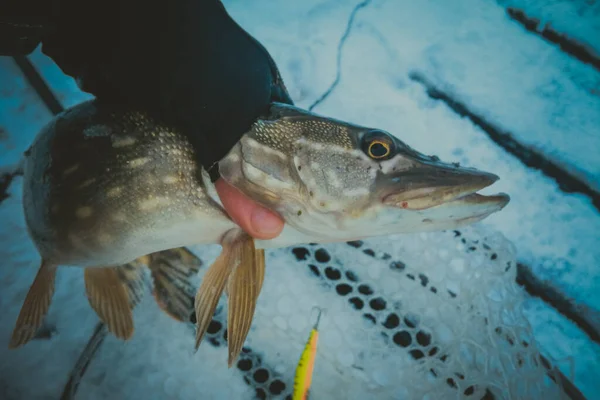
(104, 186)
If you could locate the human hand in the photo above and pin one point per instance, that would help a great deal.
(256, 220)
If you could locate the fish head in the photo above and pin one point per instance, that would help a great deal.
(335, 181)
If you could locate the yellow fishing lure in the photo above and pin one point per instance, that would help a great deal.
(304, 370)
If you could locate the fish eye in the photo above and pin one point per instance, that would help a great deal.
(378, 149)
(378, 145)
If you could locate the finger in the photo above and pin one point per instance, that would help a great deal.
(258, 221)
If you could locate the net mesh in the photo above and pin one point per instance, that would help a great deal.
(426, 316)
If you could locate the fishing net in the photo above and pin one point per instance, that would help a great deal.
(425, 316)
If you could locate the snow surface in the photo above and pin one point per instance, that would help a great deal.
(557, 234)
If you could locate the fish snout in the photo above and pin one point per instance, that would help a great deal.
(431, 184)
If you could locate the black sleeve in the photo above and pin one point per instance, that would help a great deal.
(185, 61)
(23, 23)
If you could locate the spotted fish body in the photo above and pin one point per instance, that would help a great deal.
(105, 186)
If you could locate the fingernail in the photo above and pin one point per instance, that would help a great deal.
(266, 222)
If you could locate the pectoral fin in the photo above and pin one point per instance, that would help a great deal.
(171, 272)
(213, 283)
(244, 287)
(261, 262)
(35, 307)
(242, 267)
(109, 298)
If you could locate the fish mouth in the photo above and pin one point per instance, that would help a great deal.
(449, 187)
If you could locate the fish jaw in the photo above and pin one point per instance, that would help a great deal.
(441, 194)
(427, 185)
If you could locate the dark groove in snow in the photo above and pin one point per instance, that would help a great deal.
(567, 386)
(566, 44)
(338, 73)
(587, 320)
(70, 390)
(566, 181)
(39, 84)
